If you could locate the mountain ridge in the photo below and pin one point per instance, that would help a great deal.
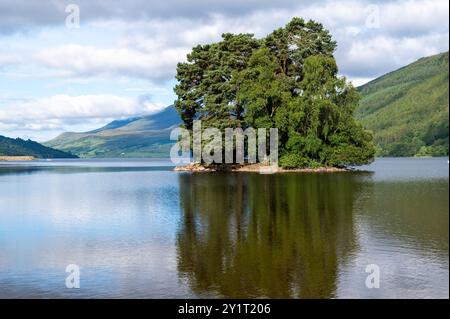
(141, 136)
(20, 147)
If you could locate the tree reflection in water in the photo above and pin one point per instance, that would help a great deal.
(279, 236)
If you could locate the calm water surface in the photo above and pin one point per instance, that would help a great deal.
(137, 229)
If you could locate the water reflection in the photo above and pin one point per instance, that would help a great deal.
(280, 236)
(139, 230)
(28, 170)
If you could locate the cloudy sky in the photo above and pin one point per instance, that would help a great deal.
(121, 60)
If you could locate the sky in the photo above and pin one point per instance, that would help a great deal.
(77, 65)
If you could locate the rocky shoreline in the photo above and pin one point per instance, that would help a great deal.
(256, 168)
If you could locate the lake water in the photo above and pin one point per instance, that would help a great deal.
(137, 229)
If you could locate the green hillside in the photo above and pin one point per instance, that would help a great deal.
(19, 147)
(147, 136)
(408, 109)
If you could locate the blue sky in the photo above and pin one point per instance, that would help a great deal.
(121, 61)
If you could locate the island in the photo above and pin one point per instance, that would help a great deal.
(287, 81)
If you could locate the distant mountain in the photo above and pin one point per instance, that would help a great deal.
(19, 147)
(145, 136)
(408, 109)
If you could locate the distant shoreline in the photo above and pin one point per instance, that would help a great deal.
(16, 158)
(255, 168)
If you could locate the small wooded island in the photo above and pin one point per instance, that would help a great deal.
(287, 80)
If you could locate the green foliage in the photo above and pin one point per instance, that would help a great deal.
(408, 109)
(296, 160)
(287, 80)
(206, 89)
(19, 147)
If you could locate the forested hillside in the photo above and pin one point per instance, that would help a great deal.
(19, 147)
(408, 109)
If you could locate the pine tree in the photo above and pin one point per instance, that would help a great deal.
(288, 80)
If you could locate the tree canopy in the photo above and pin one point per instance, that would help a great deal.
(287, 80)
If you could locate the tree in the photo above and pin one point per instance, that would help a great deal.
(287, 80)
(205, 90)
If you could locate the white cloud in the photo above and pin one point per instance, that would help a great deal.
(356, 81)
(81, 60)
(414, 17)
(7, 59)
(151, 48)
(77, 107)
(384, 54)
(61, 112)
(400, 18)
(21, 14)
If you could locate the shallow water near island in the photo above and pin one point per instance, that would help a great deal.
(137, 229)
